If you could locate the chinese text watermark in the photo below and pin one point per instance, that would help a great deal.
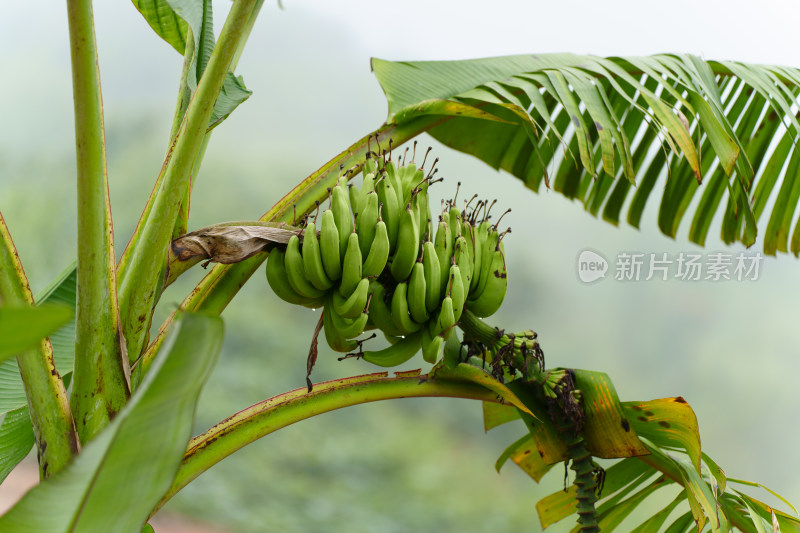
(639, 266)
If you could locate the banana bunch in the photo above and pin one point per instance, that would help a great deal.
(375, 263)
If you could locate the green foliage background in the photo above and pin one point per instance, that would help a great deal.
(423, 465)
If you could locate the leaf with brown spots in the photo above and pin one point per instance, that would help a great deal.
(669, 423)
(604, 429)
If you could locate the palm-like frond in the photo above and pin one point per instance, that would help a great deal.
(604, 130)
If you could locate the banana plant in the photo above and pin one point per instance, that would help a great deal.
(109, 409)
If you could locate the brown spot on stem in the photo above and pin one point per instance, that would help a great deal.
(664, 424)
(643, 419)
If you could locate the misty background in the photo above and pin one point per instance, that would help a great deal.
(729, 348)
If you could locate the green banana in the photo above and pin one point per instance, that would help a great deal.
(402, 320)
(351, 266)
(446, 318)
(293, 261)
(279, 281)
(396, 354)
(422, 209)
(431, 346)
(389, 209)
(433, 276)
(494, 292)
(370, 165)
(348, 328)
(336, 340)
(468, 232)
(368, 184)
(354, 197)
(329, 246)
(365, 222)
(354, 304)
(340, 205)
(312, 259)
(391, 173)
(462, 259)
(457, 290)
(405, 254)
(454, 221)
(488, 249)
(378, 253)
(379, 312)
(444, 252)
(481, 237)
(417, 293)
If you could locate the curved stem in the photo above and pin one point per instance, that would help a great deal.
(263, 418)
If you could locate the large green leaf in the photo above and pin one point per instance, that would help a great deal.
(60, 291)
(16, 439)
(22, 328)
(598, 125)
(176, 21)
(121, 475)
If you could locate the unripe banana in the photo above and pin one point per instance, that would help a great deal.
(378, 252)
(433, 276)
(412, 176)
(446, 318)
(293, 261)
(348, 328)
(370, 165)
(494, 292)
(354, 197)
(379, 312)
(368, 184)
(365, 222)
(279, 281)
(489, 246)
(340, 205)
(467, 231)
(405, 254)
(457, 291)
(312, 259)
(462, 259)
(431, 346)
(417, 293)
(454, 221)
(353, 305)
(333, 335)
(351, 266)
(422, 209)
(444, 252)
(389, 210)
(392, 175)
(481, 234)
(402, 320)
(329, 246)
(397, 353)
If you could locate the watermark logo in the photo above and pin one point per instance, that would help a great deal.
(591, 266)
(639, 266)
